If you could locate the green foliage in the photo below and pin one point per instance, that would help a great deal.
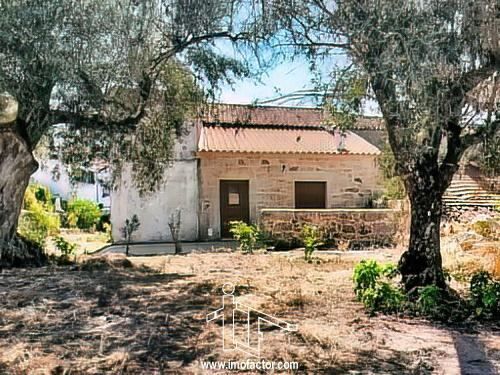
(430, 299)
(38, 196)
(489, 157)
(247, 235)
(487, 228)
(87, 213)
(373, 287)
(66, 248)
(351, 87)
(383, 297)
(108, 230)
(38, 220)
(485, 295)
(311, 239)
(393, 184)
(366, 274)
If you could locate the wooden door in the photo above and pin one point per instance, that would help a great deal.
(233, 204)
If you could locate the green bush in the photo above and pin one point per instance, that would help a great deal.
(383, 297)
(373, 289)
(87, 213)
(37, 196)
(366, 274)
(66, 248)
(247, 235)
(37, 221)
(430, 299)
(485, 295)
(311, 238)
(487, 228)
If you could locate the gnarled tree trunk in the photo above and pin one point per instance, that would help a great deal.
(16, 166)
(421, 264)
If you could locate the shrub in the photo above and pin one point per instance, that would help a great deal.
(247, 235)
(373, 289)
(485, 295)
(486, 228)
(86, 212)
(366, 274)
(131, 225)
(430, 298)
(38, 220)
(109, 233)
(383, 297)
(311, 238)
(66, 248)
(104, 219)
(37, 196)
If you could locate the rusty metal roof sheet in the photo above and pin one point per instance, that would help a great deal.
(285, 116)
(274, 139)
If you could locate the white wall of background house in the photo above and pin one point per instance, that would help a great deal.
(180, 191)
(63, 187)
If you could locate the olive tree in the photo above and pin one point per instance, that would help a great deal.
(121, 75)
(432, 67)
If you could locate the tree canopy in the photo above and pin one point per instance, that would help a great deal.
(117, 71)
(432, 67)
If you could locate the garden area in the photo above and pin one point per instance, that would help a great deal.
(116, 314)
(147, 315)
(74, 227)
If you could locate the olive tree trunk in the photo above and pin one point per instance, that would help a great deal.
(421, 264)
(16, 166)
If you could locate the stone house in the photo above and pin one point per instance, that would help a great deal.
(237, 161)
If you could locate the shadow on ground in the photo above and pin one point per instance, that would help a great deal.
(102, 320)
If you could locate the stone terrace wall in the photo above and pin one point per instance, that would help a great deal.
(359, 228)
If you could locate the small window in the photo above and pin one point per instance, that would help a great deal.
(105, 192)
(310, 194)
(84, 176)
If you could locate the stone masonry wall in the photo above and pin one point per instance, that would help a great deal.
(358, 228)
(350, 181)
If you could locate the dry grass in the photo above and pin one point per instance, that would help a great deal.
(104, 318)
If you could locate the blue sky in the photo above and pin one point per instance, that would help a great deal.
(283, 79)
(286, 77)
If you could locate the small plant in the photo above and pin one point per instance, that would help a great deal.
(384, 297)
(108, 231)
(87, 213)
(174, 224)
(66, 248)
(247, 235)
(131, 225)
(312, 240)
(429, 300)
(485, 295)
(373, 289)
(366, 274)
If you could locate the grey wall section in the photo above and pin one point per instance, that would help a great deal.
(180, 191)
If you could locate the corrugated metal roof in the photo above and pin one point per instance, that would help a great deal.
(285, 116)
(281, 140)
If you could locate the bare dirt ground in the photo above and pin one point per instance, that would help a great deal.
(151, 319)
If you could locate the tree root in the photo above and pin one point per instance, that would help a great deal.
(21, 252)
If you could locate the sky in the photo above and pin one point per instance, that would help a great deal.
(286, 77)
